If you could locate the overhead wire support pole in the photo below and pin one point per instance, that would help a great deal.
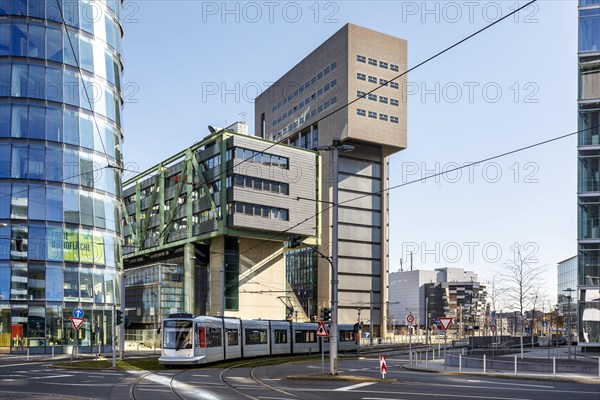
(333, 345)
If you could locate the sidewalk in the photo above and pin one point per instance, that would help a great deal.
(532, 357)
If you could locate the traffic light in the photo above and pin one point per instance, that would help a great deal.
(293, 241)
(327, 314)
(119, 317)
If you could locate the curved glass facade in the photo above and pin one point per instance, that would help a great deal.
(60, 179)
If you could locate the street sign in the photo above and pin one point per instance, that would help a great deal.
(410, 318)
(445, 322)
(493, 314)
(77, 322)
(321, 331)
(78, 313)
(493, 328)
(382, 366)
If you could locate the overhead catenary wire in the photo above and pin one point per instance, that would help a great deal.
(537, 144)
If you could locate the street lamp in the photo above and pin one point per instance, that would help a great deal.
(426, 322)
(154, 300)
(568, 296)
(334, 336)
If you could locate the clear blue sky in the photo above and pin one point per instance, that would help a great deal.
(511, 86)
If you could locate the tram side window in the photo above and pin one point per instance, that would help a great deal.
(306, 336)
(281, 336)
(232, 337)
(346, 336)
(213, 337)
(256, 336)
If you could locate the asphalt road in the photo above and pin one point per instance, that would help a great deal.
(35, 380)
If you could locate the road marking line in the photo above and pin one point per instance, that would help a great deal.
(274, 379)
(50, 377)
(512, 384)
(153, 390)
(448, 395)
(275, 398)
(358, 385)
(202, 376)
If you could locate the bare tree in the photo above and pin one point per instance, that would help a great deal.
(537, 298)
(520, 278)
(494, 294)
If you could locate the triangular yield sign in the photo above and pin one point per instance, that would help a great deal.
(321, 331)
(77, 322)
(445, 322)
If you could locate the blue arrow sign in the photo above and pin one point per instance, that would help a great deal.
(78, 313)
(493, 314)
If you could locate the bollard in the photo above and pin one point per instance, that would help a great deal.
(27, 353)
(52, 351)
(460, 363)
(484, 366)
(515, 365)
(553, 366)
(426, 357)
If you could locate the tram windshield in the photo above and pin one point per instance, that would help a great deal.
(177, 334)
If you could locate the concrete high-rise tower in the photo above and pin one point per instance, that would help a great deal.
(306, 107)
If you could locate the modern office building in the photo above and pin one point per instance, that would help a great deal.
(566, 290)
(464, 301)
(309, 106)
(407, 295)
(203, 230)
(431, 294)
(588, 190)
(60, 181)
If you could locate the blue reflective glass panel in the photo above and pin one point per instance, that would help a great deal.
(54, 44)
(36, 161)
(37, 41)
(54, 125)
(36, 128)
(54, 283)
(54, 209)
(37, 202)
(54, 163)
(36, 246)
(5, 281)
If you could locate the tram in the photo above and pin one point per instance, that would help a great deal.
(190, 340)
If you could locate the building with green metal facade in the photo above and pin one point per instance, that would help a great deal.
(204, 229)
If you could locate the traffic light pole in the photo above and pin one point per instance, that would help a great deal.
(114, 334)
(122, 327)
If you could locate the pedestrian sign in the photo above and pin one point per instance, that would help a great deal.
(321, 331)
(445, 322)
(77, 322)
(78, 313)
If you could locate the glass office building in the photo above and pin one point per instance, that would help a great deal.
(60, 183)
(588, 238)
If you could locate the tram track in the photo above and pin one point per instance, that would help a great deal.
(138, 384)
(237, 387)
